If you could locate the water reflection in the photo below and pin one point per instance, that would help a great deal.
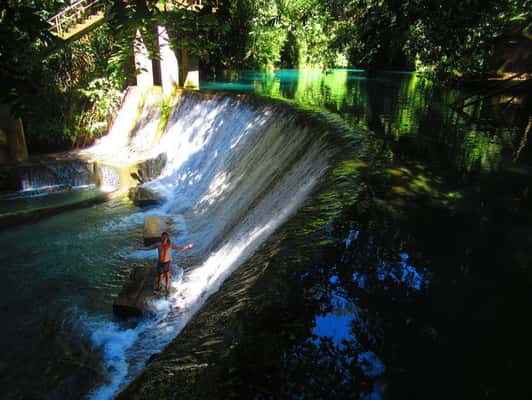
(405, 276)
(406, 109)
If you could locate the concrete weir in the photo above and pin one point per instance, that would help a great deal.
(138, 289)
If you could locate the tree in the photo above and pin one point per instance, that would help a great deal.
(446, 36)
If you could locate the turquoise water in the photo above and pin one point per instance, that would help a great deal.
(59, 276)
(404, 108)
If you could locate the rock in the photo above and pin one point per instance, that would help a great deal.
(142, 196)
(130, 301)
(154, 226)
(151, 168)
(17, 218)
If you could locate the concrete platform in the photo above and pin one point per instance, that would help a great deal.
(136, 291)
(154, 226)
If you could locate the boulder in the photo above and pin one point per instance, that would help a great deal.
(151, 168)
(142, 196)
(154, 226)
(139, 286)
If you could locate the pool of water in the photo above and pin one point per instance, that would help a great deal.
(410, 274)
(60, 276)
(418, 117)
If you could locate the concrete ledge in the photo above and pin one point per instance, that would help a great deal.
(17, 218)
(141, 196)
(154, 226)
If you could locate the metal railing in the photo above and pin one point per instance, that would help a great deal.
(192, 5)
(79, 11)
(76, 13)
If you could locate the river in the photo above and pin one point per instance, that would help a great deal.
(373, 238)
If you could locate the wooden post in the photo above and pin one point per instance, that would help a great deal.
(183, 67)
(156, 62)
(14, 130)
(18, 148)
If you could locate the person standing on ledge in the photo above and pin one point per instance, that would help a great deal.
(163, 263)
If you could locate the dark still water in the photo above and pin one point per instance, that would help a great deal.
(411, 273)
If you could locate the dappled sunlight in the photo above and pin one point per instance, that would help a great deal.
(415, 183)
(218, 186)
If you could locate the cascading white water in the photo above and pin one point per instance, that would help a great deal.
(130, 140)
(133, 133)
(234, 173)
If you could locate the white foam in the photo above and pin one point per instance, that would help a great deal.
(114, 343)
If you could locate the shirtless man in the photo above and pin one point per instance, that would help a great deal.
(163, 263)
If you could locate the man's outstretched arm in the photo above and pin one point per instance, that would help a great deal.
(185, 247)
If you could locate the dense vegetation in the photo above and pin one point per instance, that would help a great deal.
(67, 97)
(445, 36)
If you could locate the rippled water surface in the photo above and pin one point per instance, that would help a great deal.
(422, 276)
(58, 275)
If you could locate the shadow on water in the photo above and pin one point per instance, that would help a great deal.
(407, 275)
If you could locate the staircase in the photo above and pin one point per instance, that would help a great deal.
(77, 19)
(83, 16)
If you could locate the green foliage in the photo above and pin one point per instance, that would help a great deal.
(441, 36)
(80, 82)
(23, 33)
(270, 33)
(269, 28)
(477, 28)
(447, 36)
(104, 99)
(80, 88)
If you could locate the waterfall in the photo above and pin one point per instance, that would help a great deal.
(133, 134)
(234, 173)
